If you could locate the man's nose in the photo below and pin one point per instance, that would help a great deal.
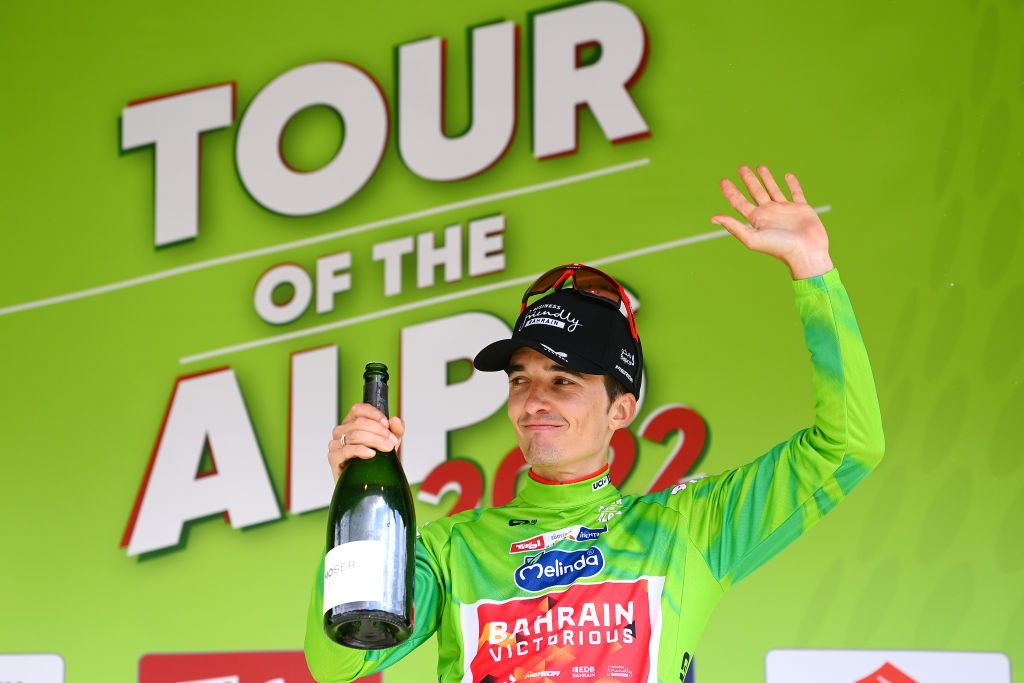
(537, 398)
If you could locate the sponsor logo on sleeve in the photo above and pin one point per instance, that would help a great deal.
(558, 568)
(577, 533)
(682, 487)
(520, 522)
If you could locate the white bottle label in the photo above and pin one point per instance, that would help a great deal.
(354, 572)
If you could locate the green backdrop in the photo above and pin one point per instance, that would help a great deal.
(903, 118)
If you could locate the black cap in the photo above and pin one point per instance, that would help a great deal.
(583, 333)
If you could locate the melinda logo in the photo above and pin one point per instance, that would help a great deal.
(558, 568)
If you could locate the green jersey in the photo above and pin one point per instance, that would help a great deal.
(579, 582)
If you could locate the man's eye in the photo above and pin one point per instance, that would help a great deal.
(563, 380)
(516, 381)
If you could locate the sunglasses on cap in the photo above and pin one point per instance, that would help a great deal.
(587, 281)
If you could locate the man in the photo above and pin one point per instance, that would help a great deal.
(573, 580)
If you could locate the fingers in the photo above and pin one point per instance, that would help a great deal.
(364, 410)
(754, 186)
(743, 232)
(397, 427)
(769, 182)
(337, 457)
(363, 432)
(795, 189)
(736, 198)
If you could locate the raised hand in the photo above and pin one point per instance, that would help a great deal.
(788, 230)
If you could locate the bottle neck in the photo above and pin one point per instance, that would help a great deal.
(375, 392)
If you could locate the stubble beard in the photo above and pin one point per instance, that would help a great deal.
(542, 454)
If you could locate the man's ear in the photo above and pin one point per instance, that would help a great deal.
(622, 411)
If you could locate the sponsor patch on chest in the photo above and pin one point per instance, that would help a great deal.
(577, 533)
(558, 568)
(593, 630)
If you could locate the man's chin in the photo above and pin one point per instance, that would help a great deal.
(540, 454)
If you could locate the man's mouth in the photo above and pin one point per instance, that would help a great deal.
(540, 426)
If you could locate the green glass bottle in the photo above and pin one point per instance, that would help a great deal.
(371, 544)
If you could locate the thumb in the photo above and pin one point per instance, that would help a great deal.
(741, 231)
(397, 426)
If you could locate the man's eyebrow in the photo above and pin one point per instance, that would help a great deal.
(554, 367)
(561, 368)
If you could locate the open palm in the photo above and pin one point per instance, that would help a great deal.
(788, 230)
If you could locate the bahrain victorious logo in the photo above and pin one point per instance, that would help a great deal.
(589, 632)
(558, 568)
(888, 674)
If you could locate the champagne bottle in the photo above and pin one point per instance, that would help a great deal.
(371, 541)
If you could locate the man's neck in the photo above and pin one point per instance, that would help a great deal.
(567, 475)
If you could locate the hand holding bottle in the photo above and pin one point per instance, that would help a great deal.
(369, 563)
(363, 432)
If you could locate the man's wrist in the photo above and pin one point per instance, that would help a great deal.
(803, 266)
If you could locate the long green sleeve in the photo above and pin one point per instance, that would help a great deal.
(742, 518)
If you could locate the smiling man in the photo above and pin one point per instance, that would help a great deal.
(573, 580)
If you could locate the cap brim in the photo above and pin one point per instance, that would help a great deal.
(498, 356)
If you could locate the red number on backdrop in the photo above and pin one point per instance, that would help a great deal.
(454, 475)
(693, 432)
(506, 477)
(465, 476)
(623, 447)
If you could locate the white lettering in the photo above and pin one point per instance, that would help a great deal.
(497, 633)
(174, 124)
(430, 406)
(312, 413)
(561, 86)
(424, 147)
(487, 245)
(391, 254)
(268, 178)
(428, 257)
(279, 314)
(205, 409)
(330, 279)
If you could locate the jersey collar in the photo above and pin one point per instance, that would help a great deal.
(594, 488)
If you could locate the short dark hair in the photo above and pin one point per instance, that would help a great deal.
(614, 388)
